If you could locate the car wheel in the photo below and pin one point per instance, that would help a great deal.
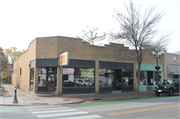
(157, 94)
(171, 92)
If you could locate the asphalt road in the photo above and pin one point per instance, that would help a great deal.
(150, 108)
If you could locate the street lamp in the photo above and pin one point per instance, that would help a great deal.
(157, 55)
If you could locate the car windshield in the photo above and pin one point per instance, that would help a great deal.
(167, 81)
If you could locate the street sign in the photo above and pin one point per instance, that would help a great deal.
(64, 59)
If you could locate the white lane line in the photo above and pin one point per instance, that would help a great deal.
(40, 106)
(51, 111)
(61, 114)
(47, 108)
(83, 117)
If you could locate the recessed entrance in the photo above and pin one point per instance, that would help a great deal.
(51, 79)
(47, 79)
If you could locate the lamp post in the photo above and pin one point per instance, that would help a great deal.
(157, 55)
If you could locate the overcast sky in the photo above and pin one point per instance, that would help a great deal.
(21, 21)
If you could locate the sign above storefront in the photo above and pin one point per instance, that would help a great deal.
(64, 59)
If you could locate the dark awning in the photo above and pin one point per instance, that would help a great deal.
(115, 65)
(46, 62)
(173, 69)
(74, 63)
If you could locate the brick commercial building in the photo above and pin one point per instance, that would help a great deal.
(91, 69)
(172, 65)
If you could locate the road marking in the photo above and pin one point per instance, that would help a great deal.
(11, 110)
(52, 111)
(124, 101)
(39, 106)
(47, 108)
(61, 114)
(83, 117)
(124, 106)
(143, 110)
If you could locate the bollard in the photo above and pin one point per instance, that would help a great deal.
(15, 98)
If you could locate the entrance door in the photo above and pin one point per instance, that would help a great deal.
(51, 79)
(150, 77)
(117, 81)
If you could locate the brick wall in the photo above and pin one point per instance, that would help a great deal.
(169, 60)
(23, 63)
(51, 47)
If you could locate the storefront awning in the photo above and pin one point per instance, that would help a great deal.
(173, 69)
(47, 62)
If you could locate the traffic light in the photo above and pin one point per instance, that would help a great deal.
(157, 68)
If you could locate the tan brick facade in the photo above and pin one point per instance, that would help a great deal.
(171, 59)
(23, 63)
(51, 47)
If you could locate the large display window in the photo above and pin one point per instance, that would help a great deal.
(143, 78)
(148, 78)
(158, 77)
(115, 78)
(105, 77)
(127, 77)
(78, 77)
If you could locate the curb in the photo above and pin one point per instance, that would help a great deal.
(16, 104)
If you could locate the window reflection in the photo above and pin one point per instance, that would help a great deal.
(115, 78)
(31, 76)
(78, 77)
(42, 77)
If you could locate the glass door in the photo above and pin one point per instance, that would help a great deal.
(51, 79)
(42, 82)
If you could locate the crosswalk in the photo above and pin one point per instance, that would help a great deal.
(59, 112)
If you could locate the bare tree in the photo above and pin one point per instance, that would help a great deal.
(90, 35)
(139, 31)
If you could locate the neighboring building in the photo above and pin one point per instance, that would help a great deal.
(148, 76)
(172, 65)
(8, 79)
(91, 69)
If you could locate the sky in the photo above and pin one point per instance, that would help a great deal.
(21, 21)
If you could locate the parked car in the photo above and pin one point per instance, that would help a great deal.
(169, 86)
(87, 82)
(68, 83)
(79, 82)
(101, 83)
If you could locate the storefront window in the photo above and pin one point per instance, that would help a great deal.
(105, 77)
(159, 77)
(143, 76)
(78, 77)
(127, 77)
(115, 78)
(42, 77)
(31, 76)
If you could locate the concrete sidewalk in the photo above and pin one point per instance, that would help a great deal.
(25, 98)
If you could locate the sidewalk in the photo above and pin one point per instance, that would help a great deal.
(25, 98)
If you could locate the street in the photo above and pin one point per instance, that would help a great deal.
(157, 108)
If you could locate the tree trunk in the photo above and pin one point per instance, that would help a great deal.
(138, 79)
